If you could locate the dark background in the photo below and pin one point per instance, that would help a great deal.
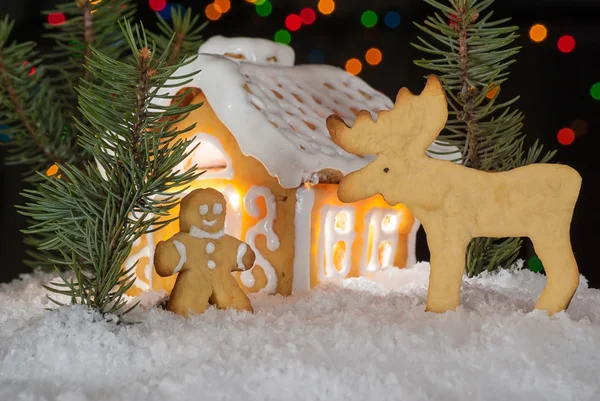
(554, 87)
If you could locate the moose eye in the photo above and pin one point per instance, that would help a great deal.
(385, 170)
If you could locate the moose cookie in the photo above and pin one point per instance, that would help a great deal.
(455, 203)
(204, 256)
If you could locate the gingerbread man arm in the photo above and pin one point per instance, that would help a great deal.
(170, 255)
(244, 255)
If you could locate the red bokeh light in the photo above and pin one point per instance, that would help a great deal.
(566, 43)
(293, 22)
(308, 16)
(158, 5)
(565, 136)
(32, 71)
(55, 19)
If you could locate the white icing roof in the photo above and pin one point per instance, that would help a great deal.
(277, 112)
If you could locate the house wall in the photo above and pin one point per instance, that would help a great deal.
(361, 237)
(252, 194)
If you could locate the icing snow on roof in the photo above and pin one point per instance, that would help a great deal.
(277, 111)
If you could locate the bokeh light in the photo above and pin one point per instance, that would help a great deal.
(223, 5)
(283, 36)
(492, 91)
(538, 33)
(354, 66)
(392, 19)
(595, 91)
(565, 136)
(293, 22)
(308, 16)
(368, 19)
(52, 170)
(580, 127)
(566, 43)
(326, 7)
(157, 5)
(535, 265)
(31, 71)
(264, 9)
(316, 57)
(167, 12)
(56, 19)
(373, 56)
(212, 12)
(256, 2)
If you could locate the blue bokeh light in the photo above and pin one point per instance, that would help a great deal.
(167, 12)
(316, 57)
(392, 19)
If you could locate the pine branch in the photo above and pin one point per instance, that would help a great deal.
(182, 37)
(96, 213)
(471, 54)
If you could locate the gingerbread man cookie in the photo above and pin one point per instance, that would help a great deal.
(204, 257)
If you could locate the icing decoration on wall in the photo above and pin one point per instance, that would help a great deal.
(305, 199)
(381, 239)
(263, 227)
(336, 235)
(145, 252)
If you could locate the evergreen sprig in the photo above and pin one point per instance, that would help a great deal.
(471, 53)
(96, 213)
(181, 37)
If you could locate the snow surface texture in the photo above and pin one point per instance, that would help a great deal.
(357, 339)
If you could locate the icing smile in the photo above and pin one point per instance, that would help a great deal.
(209, 223)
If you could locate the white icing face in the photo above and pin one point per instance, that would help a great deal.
(203, 209)
(209, 223)
(217, 209)
(211, 264)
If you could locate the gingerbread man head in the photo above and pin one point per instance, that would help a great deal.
(203, 210)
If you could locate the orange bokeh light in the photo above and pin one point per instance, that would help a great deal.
(222, 6)
(538, 33)
(326, 7)
(373, 56)
(52, 170)
(212, 12)
(354, 66)
(492, 91)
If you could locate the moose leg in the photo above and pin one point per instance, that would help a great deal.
(562, 274)
(447, 267)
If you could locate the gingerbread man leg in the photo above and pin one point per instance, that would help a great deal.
(188, 302)
(228, 294)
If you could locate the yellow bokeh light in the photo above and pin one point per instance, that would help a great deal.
(223, 5)
(212, 12)
(538, 33)
(373, 56)
(326, 7)
(354, 66)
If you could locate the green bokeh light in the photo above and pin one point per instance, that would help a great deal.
(535, 265)
(283, 36)
(369, 19)
(264, 9)
(595, 91)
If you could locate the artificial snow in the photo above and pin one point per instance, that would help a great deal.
(357, 339)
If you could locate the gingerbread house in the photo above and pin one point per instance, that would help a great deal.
(262, 140)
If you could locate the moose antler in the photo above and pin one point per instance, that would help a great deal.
(456, 204)
(410, 127)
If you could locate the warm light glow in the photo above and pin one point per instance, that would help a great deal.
(566, 43)
(373, 56)
(326, 7)
(56, 19)
(293, 22)
(386, 258)
(354, 66)
(341, 223)
(339, 251)
(157, 5)
(235, 200)
(212, 12)
(565, 136)
(492, 91)
(538, 33)
(52, 170)
(223, 6)
(308, 16)
(389, 223)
